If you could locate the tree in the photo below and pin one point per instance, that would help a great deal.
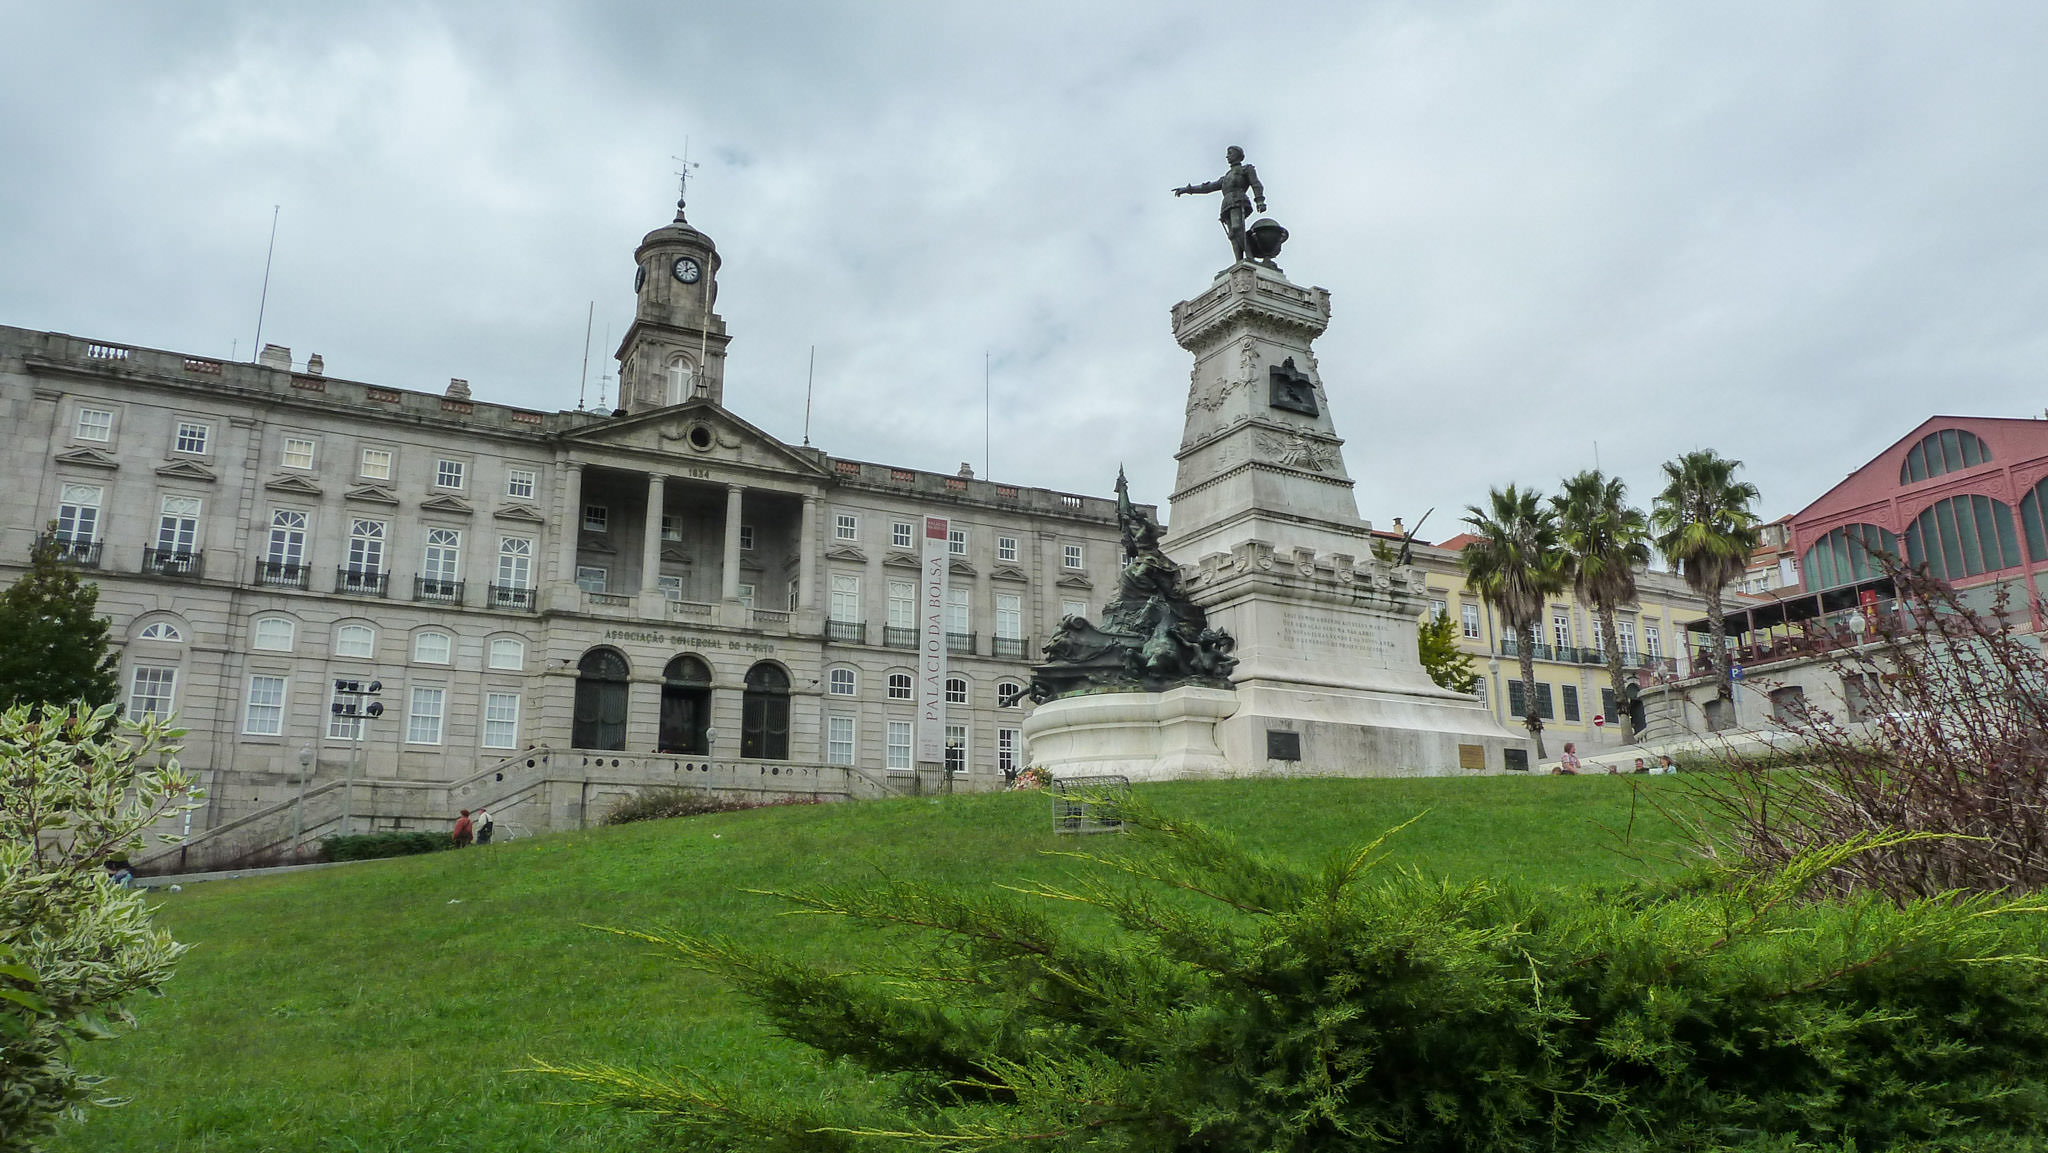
(77, 790)
(1436, 643)
(1704, 524)
(1209, 1000)
(1515, 566)
(1605, 542)
(53, 646)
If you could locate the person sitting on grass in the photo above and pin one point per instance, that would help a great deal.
(1640, 766)
(1568, 766)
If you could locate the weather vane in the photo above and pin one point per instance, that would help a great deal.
(683, 178)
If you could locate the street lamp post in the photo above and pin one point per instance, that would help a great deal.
(299, 811)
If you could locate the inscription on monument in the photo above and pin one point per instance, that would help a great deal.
(1321, 634)
(689, 640)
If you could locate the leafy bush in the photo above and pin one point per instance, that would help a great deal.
(372, 846)
(1222, 1002)
(76, 791)
(665, 801)
(1955, 744)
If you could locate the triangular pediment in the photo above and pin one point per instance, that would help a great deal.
(960, 568)
(371, 494)
(524, 513)
(902, 560)
(88, 458)
(677, 553)
(697, 431)
(1004, 572)
(1075, 581)
(295, 485)
(596, 542)
(442, 502)
(846, 552)
(186, 470)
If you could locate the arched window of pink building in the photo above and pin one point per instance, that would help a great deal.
(1963, 536)
(1845, 556)
(2032, 524)
(1949, 450)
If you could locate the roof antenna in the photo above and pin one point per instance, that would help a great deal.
(604, 377)
(682, 179)
(583, 384)
(256, 349)
(809, 379)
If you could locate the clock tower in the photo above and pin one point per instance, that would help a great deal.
(675, 350)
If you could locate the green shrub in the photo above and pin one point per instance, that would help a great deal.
(665, 801)
(372, 846)
(1223, 1002)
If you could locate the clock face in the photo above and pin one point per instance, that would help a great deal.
(687, 270)
(639, 277)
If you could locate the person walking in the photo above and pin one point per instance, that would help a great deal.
(483, 825)
(464, 830)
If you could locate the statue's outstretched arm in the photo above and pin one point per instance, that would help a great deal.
(1205, 186)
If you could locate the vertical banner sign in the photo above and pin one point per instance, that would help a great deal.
(931, 643)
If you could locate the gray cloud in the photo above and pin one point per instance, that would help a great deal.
(1788, 233)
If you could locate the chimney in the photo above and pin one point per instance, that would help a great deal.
(275, 356)
(315, 366)
(1398, 528)
(458, 388)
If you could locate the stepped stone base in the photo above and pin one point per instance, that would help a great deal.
(1165, 736)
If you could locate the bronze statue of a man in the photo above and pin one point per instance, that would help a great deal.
(1237, 205)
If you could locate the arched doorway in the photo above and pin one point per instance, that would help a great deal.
(764, 715)
(685, 706)
(600, 721)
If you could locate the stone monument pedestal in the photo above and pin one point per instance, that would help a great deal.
(1167, 736)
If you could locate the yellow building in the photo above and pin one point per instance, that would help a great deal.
(1572, 687)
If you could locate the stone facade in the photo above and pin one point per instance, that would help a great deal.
(665, 584)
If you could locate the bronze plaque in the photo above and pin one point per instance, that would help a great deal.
(1472, 756)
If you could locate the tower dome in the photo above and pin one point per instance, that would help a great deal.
(675, 350)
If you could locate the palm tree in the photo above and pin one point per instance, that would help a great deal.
(1605, 542)
(1703, 523)
(1515, 566)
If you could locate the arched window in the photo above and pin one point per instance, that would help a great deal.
(842, 683)
(600, 720)
(1962, 537)
(686, 707)
(1949, 450)
(2032, 523)
(764, 714)
(1844, 556)
(1007, 693)
(355, 641)
(680, 380)
(899, 686)
(433, 648)
(160, 631)
(956, 691)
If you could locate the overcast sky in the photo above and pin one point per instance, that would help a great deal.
(1784, 231)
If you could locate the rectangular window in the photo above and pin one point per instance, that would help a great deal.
(956, 748)
(177, 526)
(1561, 632)
(899, 745)
(298, 452)
(900, 534)
(845, 526)
(956, 541)
(265, 714)
(838, 740)
(1652, 646)
(365, 548)
(1007, 745)
(192, 437)
(1599, 633)
(669, 531)
(1479, 690)
(1073, 608)
(287, 539)
(1438, 609)
(590, 578)
(78, 513)
(343, 726)
(1607, 706)
(747, 596)
(1009, 616)
(1626, 631)
(902, 605)
(1543, 701)
(150, 691)
(423, 717)
(95, 424)
(1571, 701)
(959, 611)
(1070, 556)
(671, 587)
(515, 562)
(746, 538)
(596, 518)
(376, 464)
(845, 598)
(443, 559)
(1469, 614)
(501, 720)
(519, 483)
(1006, 549)
(795, 592)
(448, 474)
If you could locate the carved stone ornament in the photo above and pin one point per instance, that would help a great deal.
(1152, 636)
(1297, 451)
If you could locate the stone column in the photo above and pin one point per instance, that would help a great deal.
(650, 544)
(731, 588)
(807, 556)
(570, 524)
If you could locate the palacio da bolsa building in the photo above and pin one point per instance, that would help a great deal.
(556, 608)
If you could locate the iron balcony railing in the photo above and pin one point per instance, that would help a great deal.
(960, 643)
(73, 550)
(847, 632)
(511, 597)
(1510, 647)
(361, 582)
(175, 563)
(1012, 648)
(281, 575)
(899, 637)
(436, 590)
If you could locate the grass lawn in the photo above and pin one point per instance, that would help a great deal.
(382, 1005)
